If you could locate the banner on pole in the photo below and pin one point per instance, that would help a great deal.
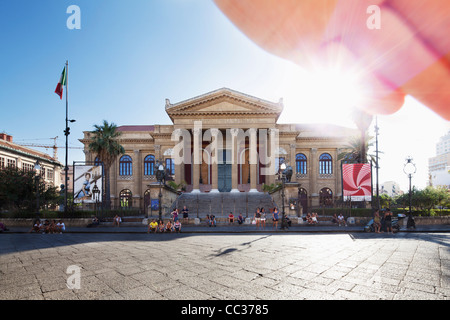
(357, 181)
(85, 178)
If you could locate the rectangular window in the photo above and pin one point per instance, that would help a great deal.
(11, 162)
(27, 167)
(170, 166)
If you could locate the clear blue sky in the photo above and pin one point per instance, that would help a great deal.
(129, 56)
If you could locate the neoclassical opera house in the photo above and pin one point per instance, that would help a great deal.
(226, 141)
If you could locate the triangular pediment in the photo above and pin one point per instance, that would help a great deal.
(224, 102)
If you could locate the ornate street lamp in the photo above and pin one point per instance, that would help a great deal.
(37, 168)
(409, 169)
(283, 180)
(96, 193)
(160, 176)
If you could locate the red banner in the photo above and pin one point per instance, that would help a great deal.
(357, 182)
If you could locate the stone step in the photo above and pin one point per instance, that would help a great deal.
(223, 203)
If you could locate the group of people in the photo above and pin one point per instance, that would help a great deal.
(231, 218)
(211, 220)
(48, 227)
(155, 226)
(339, 220)
(387, 220)
(173, 225)
(312, 218)
(185, 212)
(260, 218)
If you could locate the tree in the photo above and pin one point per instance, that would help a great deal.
(18, 190)
(425, 199)
(104, 144)
(353, 151)
(362, 120)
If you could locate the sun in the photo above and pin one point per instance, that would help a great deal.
(323, 95)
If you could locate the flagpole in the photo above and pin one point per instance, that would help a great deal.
(66, 132)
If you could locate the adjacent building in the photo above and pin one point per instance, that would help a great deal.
(439, 165)
(391, 188)
(15, 155)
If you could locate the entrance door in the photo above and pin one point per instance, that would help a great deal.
(303, 199)
(224, 172)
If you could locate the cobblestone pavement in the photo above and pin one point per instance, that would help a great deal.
(226, 266)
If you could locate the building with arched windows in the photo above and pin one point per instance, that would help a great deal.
(226, 141)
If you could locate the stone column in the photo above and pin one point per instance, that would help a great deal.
(273, 146)
(196, 160)
(176, 158)
(314, 173)
(234, 159)
(137, 176)
(292, 158)
(214, 161)
(253, 160)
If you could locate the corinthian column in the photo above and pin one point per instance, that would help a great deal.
(234, 160)
(196, 160)
(214, 160)
(253, 160)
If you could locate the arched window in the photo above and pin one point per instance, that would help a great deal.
(125, 166)
(125, 197)
(326, 197)
(300, 163)
(325, 164)
(149, 165)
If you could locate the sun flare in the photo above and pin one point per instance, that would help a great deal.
(330, 94)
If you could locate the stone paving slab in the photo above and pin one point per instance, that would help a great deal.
(240, 229)
(201, 267)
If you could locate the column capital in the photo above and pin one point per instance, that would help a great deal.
(234, 132)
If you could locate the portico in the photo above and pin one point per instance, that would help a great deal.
(229, 133)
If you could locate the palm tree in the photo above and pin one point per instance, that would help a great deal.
(362, 120)
(352, 153)
(106, 147)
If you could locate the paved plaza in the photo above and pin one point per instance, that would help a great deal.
(271, 266)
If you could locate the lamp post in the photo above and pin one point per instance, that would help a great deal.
(283, 179)
(37, 167)
(160, 176)
(96, 193)
(66, 167)
(409, 169)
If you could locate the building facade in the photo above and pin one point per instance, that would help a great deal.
(391, 188)
(15, 155)
(439, 165)
(227, 141)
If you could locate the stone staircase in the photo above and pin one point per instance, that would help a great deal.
(221, 204)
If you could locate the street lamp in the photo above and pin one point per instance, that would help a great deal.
(160, 176)
(66, 167)
(409, 169)
(283, 179)
(96, 193)
(37, 168)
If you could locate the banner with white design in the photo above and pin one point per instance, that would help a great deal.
(357, 181)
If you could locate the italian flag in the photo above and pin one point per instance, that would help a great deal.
(61, 84)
